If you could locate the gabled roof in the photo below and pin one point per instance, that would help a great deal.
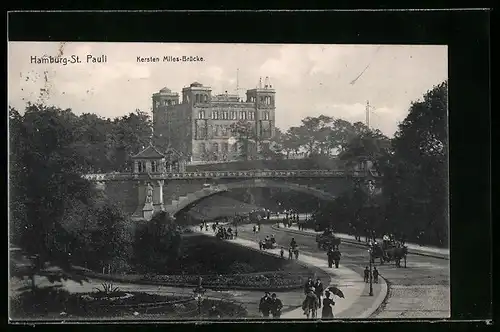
(149, 153)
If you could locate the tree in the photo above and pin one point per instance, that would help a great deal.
(246, 138)
(367, 146)
(415, 176)
(44, 175)
(157, 243)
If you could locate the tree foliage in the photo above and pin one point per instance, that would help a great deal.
(157, 243)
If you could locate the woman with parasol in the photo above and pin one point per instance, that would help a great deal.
(328, 303)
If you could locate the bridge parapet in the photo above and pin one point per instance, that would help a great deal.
(227, 174)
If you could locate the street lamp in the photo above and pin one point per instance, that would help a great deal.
(198, 295)
(371, 281)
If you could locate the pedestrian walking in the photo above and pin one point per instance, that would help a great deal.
(260, 244)
(254, 229)
(275, 305)
(366, 274)
(265, 305)
(296, 252)
(328, 303)
(290, 253)
(330, 257)
(282, 252)
(375, 275)
(235, 233)
(309, 284)
(318, 290)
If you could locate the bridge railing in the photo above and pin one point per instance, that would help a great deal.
(227, 174)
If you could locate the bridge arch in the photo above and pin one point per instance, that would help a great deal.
(184, 201)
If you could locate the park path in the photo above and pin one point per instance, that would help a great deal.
(355, 303)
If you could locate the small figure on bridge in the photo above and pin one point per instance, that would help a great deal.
(375, 275)
(366, 275)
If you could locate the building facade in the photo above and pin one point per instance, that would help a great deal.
(199, 125)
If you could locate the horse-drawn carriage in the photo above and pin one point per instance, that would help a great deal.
(389, 251)
(327, 240)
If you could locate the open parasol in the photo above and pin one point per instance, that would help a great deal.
(334, 290)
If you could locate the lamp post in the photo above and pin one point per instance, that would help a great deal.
(198, 295)
(371, 281)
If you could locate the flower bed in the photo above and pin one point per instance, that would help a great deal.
(271, 280)
(57, 303)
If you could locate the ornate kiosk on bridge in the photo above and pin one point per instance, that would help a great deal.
(149, 165)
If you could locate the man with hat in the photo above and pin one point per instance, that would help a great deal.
(276, 306)
(318, 290)
(309, 284)
(265, 305)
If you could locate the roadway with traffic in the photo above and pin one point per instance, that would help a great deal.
(421, 290)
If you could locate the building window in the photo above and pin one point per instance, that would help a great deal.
(216, 130)
(206, 99)
(225, 147)
(251, 115)
(203, 147)
(266, 115)
(234, 115)
(225, 115)
(215, 147)
(215, 115)
(201, 114)
(243, 115)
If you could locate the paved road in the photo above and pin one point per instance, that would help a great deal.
(421, 290)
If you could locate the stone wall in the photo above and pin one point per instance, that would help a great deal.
(124, 194)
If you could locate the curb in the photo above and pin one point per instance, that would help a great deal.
(381, 297)
(355, 243)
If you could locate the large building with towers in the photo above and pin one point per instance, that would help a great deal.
(199, 125)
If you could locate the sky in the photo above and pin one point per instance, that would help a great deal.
(309, 79)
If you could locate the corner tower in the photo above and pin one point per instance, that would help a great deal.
(263, 98)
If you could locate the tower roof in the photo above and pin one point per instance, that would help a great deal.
(196, 84)
(149, 153)
(166, 90)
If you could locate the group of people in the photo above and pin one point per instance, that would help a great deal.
(256, 228)
(268, 243)
(270, 305)
(315, 300)
(375, 274)
(226, 233)
(333, 255)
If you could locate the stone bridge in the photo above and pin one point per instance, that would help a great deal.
(143, 194)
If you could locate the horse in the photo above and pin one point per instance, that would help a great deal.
(377, 252)
(396, 254)
(310, 305)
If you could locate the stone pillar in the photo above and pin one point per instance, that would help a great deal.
(158, 196)
(136, 166)
(148, 167)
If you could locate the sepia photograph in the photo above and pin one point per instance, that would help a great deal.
(212, 182)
